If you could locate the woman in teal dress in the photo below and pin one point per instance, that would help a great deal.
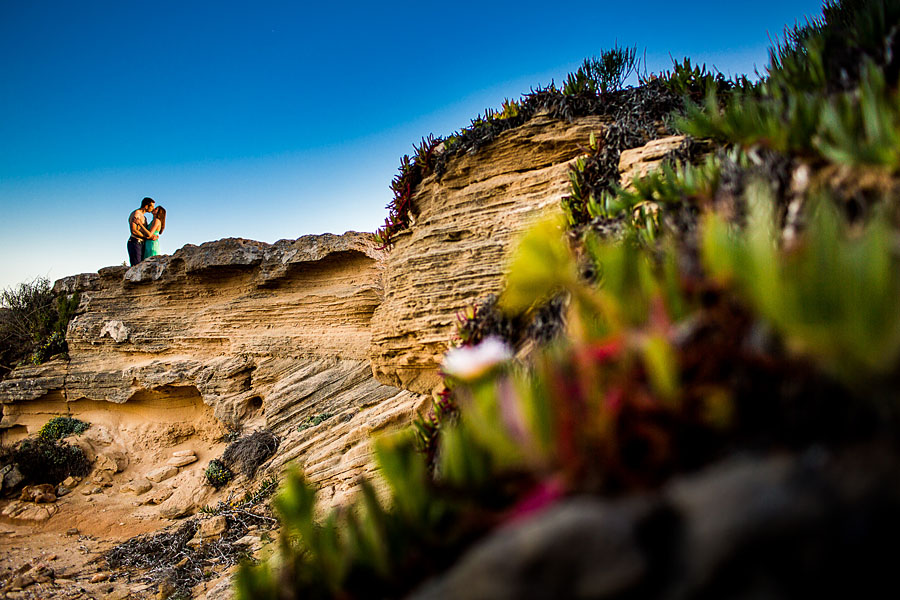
(156, 227)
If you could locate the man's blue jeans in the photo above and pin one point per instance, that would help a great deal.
(135, 250)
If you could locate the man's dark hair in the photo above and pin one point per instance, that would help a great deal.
(146, 202)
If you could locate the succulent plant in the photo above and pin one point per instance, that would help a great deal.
(217, 473)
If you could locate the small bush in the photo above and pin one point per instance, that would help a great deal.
(695, 81)
(50, 461)
(33, 323)
(604, 74)
(313, 420)
(217, 474)
(249, 452)
(59, 427)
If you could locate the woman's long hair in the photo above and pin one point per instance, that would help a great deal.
(161, 215)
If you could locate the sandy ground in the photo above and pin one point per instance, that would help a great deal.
(71, 543)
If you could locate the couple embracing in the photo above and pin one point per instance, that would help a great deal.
(144, 240)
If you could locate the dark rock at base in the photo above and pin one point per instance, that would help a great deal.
(794, 526)
(553, 555)
(10, 477)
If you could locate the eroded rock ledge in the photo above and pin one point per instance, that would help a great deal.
(261, 335)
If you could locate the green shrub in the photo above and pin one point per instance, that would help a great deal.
(640, 209)
(59, 427)
(835, 297)
(313, 420)
(863, 128)
(50, 461)
(786, 122)
(829, 53)
(829, 92)
(217, 474)
(604, 74)
(33, 323)
(696, 82)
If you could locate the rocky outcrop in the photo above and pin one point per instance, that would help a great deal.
(233, 333)
(639, 162)
(224, 318)
(455, 251)
(781, 527)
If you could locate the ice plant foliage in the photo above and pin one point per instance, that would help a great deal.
(412, 171)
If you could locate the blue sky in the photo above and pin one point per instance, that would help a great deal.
(270, 120)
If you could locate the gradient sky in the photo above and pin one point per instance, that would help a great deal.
(270, 120)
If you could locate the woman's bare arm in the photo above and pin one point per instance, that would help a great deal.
(139, 229)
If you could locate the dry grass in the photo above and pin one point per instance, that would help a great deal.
(249, 452)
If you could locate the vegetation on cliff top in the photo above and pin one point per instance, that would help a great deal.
(749, 301)
(594, 89)
(33, 323)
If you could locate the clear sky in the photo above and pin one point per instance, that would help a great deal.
(270, 120)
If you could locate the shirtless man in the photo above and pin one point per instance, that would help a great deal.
(139, 232)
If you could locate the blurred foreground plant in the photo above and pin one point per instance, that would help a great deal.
(835, 296)
(680, 348)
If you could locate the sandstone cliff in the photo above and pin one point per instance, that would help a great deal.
(229, 334)
(454, 253)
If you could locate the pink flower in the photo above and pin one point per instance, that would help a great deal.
(543, 495)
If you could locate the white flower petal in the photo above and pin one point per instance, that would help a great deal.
(468, 363)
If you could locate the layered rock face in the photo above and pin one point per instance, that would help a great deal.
(455, 252)
(230, 333)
